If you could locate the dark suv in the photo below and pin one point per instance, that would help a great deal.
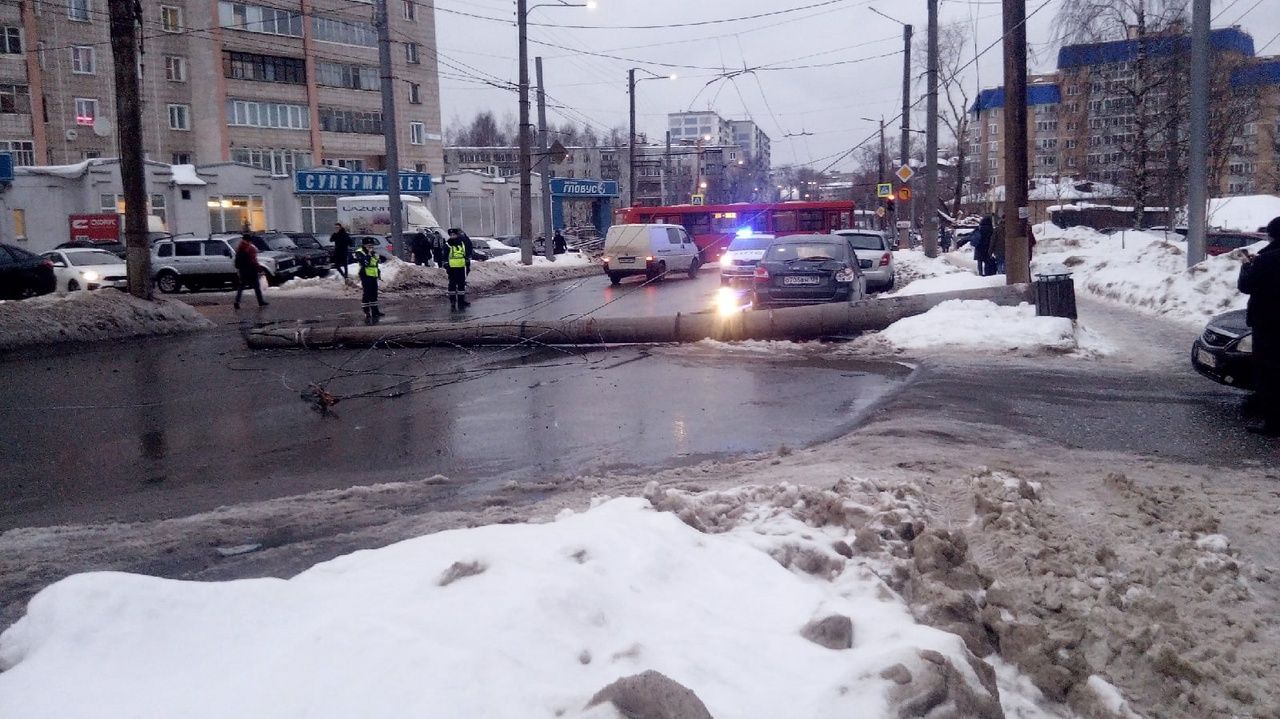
(314, 259)
(808, 269)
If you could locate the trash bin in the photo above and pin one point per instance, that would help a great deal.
(1055, 295)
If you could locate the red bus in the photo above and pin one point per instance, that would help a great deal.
(714, 226)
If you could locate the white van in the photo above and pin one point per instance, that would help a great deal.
(654, 251)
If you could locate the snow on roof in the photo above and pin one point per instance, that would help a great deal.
(1065, 189)
(1245, 213)
(66, 171)
(186, 175)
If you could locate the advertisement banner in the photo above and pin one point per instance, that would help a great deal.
(95, 228)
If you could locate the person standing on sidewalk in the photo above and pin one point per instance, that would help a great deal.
(341, 241)
(459, 264)
(246, 262)
(367, 261)
(1260, 279)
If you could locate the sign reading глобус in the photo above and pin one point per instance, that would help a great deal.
(330, 182)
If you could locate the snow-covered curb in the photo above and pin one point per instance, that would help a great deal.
(92, 316)
(402, 278)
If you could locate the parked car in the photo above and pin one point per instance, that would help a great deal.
(116, 248)
(1224, 351)
(314, 259)
(1220, 243)
(491, 248)
(382, 246)
(738, 263)
(84, 268)
(649, 250)
(23, 274)
(808, 269)
(875, 257)
(196, 264)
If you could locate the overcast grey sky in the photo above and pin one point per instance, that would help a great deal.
(823, 104)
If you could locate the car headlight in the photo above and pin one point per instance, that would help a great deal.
(726, 261)
(90, 275)
(1245, 344)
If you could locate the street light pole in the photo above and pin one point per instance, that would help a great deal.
(631, 137)
(931, 139)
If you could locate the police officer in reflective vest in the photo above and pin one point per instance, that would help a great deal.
(459, 264)
(367, 261)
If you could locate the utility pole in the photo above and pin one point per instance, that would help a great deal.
(931, 140)
(666, 170)
(1017, 251)
(125, 20)
(1198, 159)
(383, 23)
(906, 94)
(631, 139)
(544, 165)
(883, 150)
(526, 162)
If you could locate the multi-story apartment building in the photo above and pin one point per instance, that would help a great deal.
(1096, 120)
(278, 84)
(705, 126)
(748, 135)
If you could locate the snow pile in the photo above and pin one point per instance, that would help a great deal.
(953, 282)
(92, 316)
(984, 326)
(1143, 271)
(1247, 213)
(398, 277)
(764, 602)
(912, 265)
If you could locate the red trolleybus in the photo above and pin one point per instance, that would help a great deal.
(714, 226)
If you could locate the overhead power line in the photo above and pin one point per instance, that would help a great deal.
(665, 26)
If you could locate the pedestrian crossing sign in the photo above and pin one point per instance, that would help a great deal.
(884, 189)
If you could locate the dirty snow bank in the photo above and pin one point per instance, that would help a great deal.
(912, 265)
(404, 278)
(983, 326)
(1142, 271)
(765, 602)
(92, 316)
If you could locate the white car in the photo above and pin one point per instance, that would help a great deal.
(649, 250)
(738, 263)
(84, 268)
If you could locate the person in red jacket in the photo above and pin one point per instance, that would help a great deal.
(247, 270)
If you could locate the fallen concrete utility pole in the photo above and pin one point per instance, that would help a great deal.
(794, 323)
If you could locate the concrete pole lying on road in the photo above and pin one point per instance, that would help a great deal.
(794, 323)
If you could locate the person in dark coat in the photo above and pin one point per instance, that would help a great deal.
(981, 239)
(421, 249)
(341, 241)
(996, 265)
(246, 262)
(559, 246)
(1260, 279)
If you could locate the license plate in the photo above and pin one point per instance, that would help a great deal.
(1206, 359)
(626, 260)
(801, 280)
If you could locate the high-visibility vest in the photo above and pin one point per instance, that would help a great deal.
(458, 255)
(368, 263)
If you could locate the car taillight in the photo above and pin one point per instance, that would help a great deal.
(47, 263)
(762, 274)
(884, 259)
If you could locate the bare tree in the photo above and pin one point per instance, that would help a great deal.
(956, 101)
(481, 131)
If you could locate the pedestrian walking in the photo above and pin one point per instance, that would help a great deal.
(367, 260)
(1260, 279)
(982, 245)
(341, 241)
(421, 249)
(246, 263)
(459, 265)
(559, 245)
(996, 265)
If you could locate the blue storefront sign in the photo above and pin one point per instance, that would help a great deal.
(584, 188)
(329, 182)
(6, 167)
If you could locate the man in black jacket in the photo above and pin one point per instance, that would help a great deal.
(1260, 279)
(341, 248)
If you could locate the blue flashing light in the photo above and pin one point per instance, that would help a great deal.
(745, 232)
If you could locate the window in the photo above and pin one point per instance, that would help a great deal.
(355, 77)
(232, 213)
(417, 133)
(10, 40)
(181, 158)
(411, 53)
(166, 250)
(319, 212)
(86, 111)
(78, 10)
(265, 68)
(415, 94)
(170, 18)
(175, 68)
(993, 129)
(216, 248)
(24, 151)
(254, 18)
(82, 60)
(250, 113)
(361, 122)
(673, 236)
(410, 10)
(179, 117)
(276, 161)
(187, 249)
(19, 224)
(344, 32)
(346, 163)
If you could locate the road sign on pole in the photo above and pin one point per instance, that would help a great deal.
(905, 173)
(904, 193)
(884, 189)
(880, 212)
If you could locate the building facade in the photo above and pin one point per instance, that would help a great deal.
(1108, 117)
(281, 85)
(706, 126)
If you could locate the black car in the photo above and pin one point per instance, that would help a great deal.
(23, 274)
(808, 269)
(314, 259)
(1224, 351)
(116, 248)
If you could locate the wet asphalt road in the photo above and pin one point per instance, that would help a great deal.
(166, 427)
